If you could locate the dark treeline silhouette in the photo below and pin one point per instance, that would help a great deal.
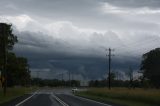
(115, 83)
(17, 70)
(54, 83)
(150, 68)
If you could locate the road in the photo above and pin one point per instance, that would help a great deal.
(53, 97)
(78, 101)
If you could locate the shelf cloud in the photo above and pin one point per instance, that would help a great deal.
(61, 36)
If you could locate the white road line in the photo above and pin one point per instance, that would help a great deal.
(59, 100)
(91, 100)
(51, 98)
(25, 100)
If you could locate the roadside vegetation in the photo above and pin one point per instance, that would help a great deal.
(124, 96)
(14, 93)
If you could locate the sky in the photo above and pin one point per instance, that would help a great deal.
(62, 36)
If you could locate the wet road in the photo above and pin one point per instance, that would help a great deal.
(72, 100)
(53, 97)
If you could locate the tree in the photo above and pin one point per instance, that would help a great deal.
(17, 67)
(150, 66)
(130, 75)
(7, 41)
(17, 70)
(112, 76)
(7, 35)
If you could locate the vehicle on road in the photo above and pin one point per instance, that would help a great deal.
(74, 90)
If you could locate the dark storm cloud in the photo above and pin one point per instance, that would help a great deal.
(53, 54)
(72, 35)
(67, 45)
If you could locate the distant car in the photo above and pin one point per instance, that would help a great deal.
(74, 90)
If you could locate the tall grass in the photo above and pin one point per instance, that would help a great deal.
(129, 97)
(13, 93)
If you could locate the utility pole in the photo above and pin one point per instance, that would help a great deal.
(30, 76)
(72, 76)
(109, 67)
(69, 74)
(4, 47)
(130, 76)
(62, 76)
(37, 74)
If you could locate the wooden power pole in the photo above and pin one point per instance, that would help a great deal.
(109, 67)
(3, 44)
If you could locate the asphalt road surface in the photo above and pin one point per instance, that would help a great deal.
(78, 101)
(54, 97)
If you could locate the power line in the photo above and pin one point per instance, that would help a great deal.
(138, 43)
(131, 48)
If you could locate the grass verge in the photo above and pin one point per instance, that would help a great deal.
(124, 96)
(14, 93)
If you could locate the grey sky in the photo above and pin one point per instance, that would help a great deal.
(81, 30)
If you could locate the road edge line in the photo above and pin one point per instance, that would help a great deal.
(91, 100)
(25, 99)
(59, 100)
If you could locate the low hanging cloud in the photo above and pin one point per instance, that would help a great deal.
(65, 37)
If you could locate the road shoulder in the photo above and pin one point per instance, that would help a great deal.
(15, 101)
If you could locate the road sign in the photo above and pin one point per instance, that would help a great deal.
(2, 79)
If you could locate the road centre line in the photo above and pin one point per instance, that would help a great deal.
(59, 100)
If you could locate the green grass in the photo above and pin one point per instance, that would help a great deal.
(124, 96)
(14, 93)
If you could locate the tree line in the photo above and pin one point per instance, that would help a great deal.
(54, 82)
